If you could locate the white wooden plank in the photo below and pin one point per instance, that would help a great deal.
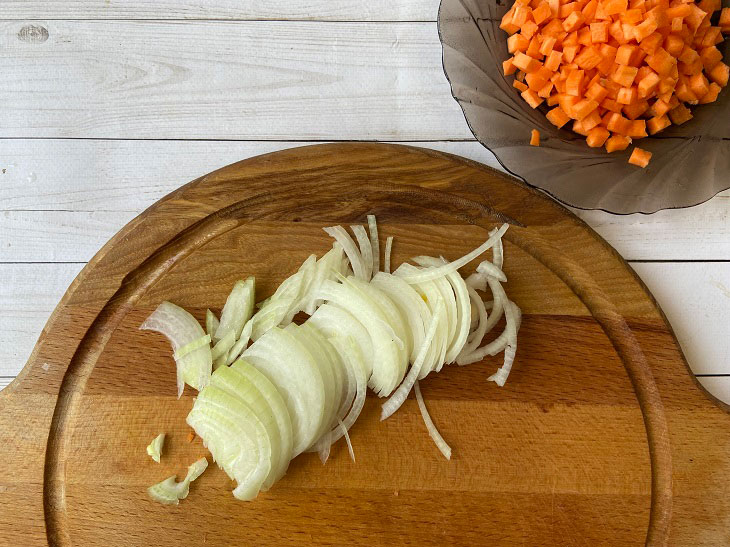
(128, 176)
(695, 296)
(227, 80)
(324, 10)
(28, 295)
(695, 233)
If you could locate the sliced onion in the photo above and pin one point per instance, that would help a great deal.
(181, 328)
(513, 316)
(343, 238)
(192, 346)
(374, 243)
(287, 364)
(366, 250)
(347, 439)
(489, 269)
(432, 431)
(211, 323)
(241, 343)
(481, 328)
(154, 449)
(497, 251)
(388, 251)
(170, 492)
(237, 309)
(435, 273)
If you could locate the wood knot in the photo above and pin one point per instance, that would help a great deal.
(33, 34)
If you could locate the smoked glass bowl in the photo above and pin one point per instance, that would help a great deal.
(690, 162)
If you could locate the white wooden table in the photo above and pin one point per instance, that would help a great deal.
(108, 105)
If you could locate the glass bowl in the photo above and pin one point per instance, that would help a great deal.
(689, 165)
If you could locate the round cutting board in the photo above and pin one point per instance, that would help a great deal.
(601, 435)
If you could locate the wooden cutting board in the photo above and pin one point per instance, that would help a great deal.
(600, 437)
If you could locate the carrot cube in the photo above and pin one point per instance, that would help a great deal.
(521, 14)
(596, 92)
(658, 14)
(651, 42)
(657, 123)
(517, 42)
(507, 25)
(597, 137)
(681, 11)
(535, 82)
(520, 76)
(712, 94)
(624, 75)
(710, 57)
(541, 13)
(644, 30)
(624, 53)
(553, 28)
(617, 143)
(643, 72)
(614, 7)
(584, 36)
(627, 95)
(631, 16)
(569, 53)
(553, 60)
(724, 21)
(566, 8)
(599, 32)
(588, 58)
(526, 63)
(637, 129)
(589, 10)
(648, 84)
(572, 21)
(533, 49)
(581, 109)
(534, 138)
(680, 114)
(545, 90)
(529, 29)
(710, 6)
(660, 107)
(519, 85)
(684, 93)
(548, 43)
(567, 102)
(690, 69)
(640, 157)
(553, 99)
(719, 74)
(611, 105)
(661, 61)
(531, 98)
(674, 45)
(635, 110)
(699, 85)
(574, 83)
(676, 25)
(711, 37)
(578, 128)
(508, 67)
(689, 55)
(618, 124)
(557, 117)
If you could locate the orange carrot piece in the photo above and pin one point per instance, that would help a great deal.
(651, 42)
(529, 29)
(548, 43)
(533, 49)
(719, 74)
(711, 37)
(574, 83)
(582, 108)
(635, 110)
(618, 124)
(710, 57)
(676, 25)
(631, 16)
(521, 14)
(690, 69)
(724, 21)
(627, 95)
(534, 138)
(614, 7)
(593, 119)
(640, 157)
(557, 117)
(541, 13)
(624, 53)
(699, 85)
(617, 143)
(535, 82)
(516, 43)
(624, 75)
(661, 61)
(519, 85)
(567, 102)
(680, 114)
(588, 58)
(526, 63)
(508, 67)
(569, 53)
(660, 107)
(689, 55)
(507, 25)
(657, 123)
(681, 11)
(577, 127)
(596, 92)
(531, 98)
(644, 30)
(597, 137)
(589, 10)
(674, 45)
(712, 94)
(572, 21)
(553, 60)
(553, 99)
(611, 105)
(637, 129)
(599, 32)
(648, 84)
(545, 90)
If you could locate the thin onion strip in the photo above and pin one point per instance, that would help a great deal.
(432, 431)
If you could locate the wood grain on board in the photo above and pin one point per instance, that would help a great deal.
(601, 436)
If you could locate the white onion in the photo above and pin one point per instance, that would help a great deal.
(388, 251)
(237, 309)
(366, 251)
(170, 492)
(374, 243)
(343, 238)
(432, 431)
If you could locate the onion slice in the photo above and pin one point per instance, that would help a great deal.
(366, 250)
(341, 236)
(170, 492)
(374, 243)
(154, 449)
(237, 309)
(388, 251)
(432, 431)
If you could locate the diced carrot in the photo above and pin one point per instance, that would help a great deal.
(719, 74)
(614, 7)
(520, 76)
(680, 10)
(640, 157)
(548, 43)
(674, 45)
(526, 63)
(533, 49)
(724, 21)
(627, 95)
(712, 94)
(689, 55)
(710, 6)
(643, 72)
(584, 36)
(553, 60)
(648, 84)
(589, 10)
(566, 8)
(592, 120)
(541, 13)
(676, 25)
(699, 85)
(572, 21)
(637, 129)
(644, 30)
(680, 114)
(588, 58)
(624, 75)
(507, 25)
(631, 16)
(521, 14)
(710, 57)
(535, 82)
(581, 109)
(597, 137)
(636, 109)
(667, 85)
(623, 55)
(616, 31)
(617, 143)
(599, 32)
(574, 83)
(553, 99)
(661, 61)
(577, 127)
(517, 42)
(508, 67)
(659, 108)
(569, 53)
(651, 42)
(618, 124)
(657, 123)
(531, 98)
(658, 14)
(596, 92)
(684, 93)
(519, 85)
(545, 90)
(611, 105)
(553, 28)
(567, 102)
(529, 29)
(690, 69)
(534, 138)
(557, 117)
